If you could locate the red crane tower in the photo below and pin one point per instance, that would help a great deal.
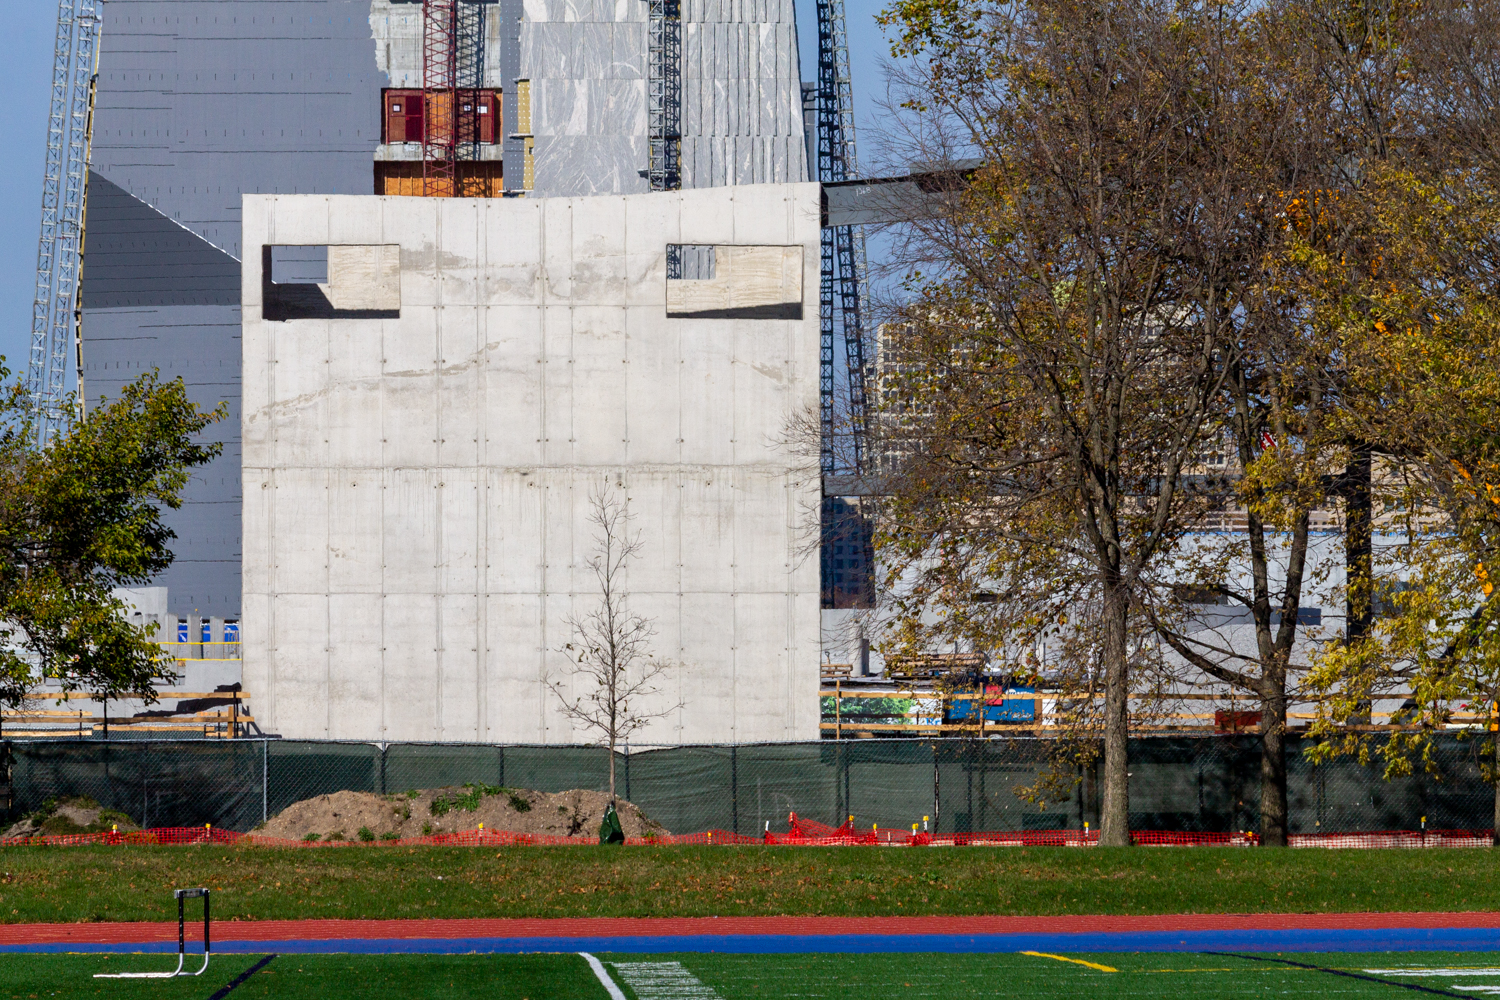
(440, 98)
(454, 100)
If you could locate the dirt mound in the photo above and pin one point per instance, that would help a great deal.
(419, 813)
(76, 814)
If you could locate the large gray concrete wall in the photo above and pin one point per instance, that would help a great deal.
(416, 530)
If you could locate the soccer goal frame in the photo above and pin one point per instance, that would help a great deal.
(182, 895)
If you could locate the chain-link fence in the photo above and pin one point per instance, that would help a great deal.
(1182, 784)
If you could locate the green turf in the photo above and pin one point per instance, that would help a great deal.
(961, 977)
(307, 977)
(741, 977)
(65, 884)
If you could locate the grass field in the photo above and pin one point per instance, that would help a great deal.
(738, 977)
(66, 884)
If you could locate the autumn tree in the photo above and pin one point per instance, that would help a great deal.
(1285, 448)
(80, 517)
(1075, 322)
(1413, 300)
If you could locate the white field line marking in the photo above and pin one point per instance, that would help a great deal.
(1479, 989)
(1434, 972)
(663, 981)
(609, 984)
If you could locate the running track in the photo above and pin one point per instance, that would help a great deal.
(782, 935)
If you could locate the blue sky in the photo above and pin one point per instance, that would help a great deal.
(25, 76)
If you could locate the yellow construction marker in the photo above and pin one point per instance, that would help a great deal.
(1075, 961)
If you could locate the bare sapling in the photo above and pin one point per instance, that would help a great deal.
(614, 672)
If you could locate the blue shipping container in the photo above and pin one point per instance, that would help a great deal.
(1012, 704)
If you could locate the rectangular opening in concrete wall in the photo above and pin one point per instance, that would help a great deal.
(734, 282)
(330, 282)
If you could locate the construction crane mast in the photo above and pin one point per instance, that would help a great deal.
(452, 75)
(439, 98)
(664, 94)
(841, 301)
(57, 308)
(847, 551)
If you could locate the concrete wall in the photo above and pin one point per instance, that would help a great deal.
(416, 491)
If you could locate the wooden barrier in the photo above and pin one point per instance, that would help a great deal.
(224, 721)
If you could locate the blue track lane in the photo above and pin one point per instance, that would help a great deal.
(1382, 939)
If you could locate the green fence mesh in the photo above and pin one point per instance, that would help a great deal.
(1183, 784)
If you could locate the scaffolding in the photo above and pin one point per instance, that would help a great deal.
(841, 291)
(664, 95)
(469, 78)
(57, 309)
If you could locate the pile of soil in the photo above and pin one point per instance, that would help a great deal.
(419, 813)
(75, 814)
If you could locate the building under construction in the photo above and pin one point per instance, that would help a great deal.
(515, 248)
(204, 101)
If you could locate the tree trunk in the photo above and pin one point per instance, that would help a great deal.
(1358, 547)
(1114, 815)
(1273, 811)
(611, 770)
(1358, 550)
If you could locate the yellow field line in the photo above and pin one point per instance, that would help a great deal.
(1075, 961)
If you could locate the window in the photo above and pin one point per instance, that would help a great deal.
(734, 282)
(330, 282)
(1386, 601)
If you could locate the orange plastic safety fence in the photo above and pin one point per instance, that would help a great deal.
(800, 832)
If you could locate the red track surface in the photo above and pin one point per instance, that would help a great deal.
(313, 930)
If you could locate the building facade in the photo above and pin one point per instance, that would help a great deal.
(200, 102)
(426, 418)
